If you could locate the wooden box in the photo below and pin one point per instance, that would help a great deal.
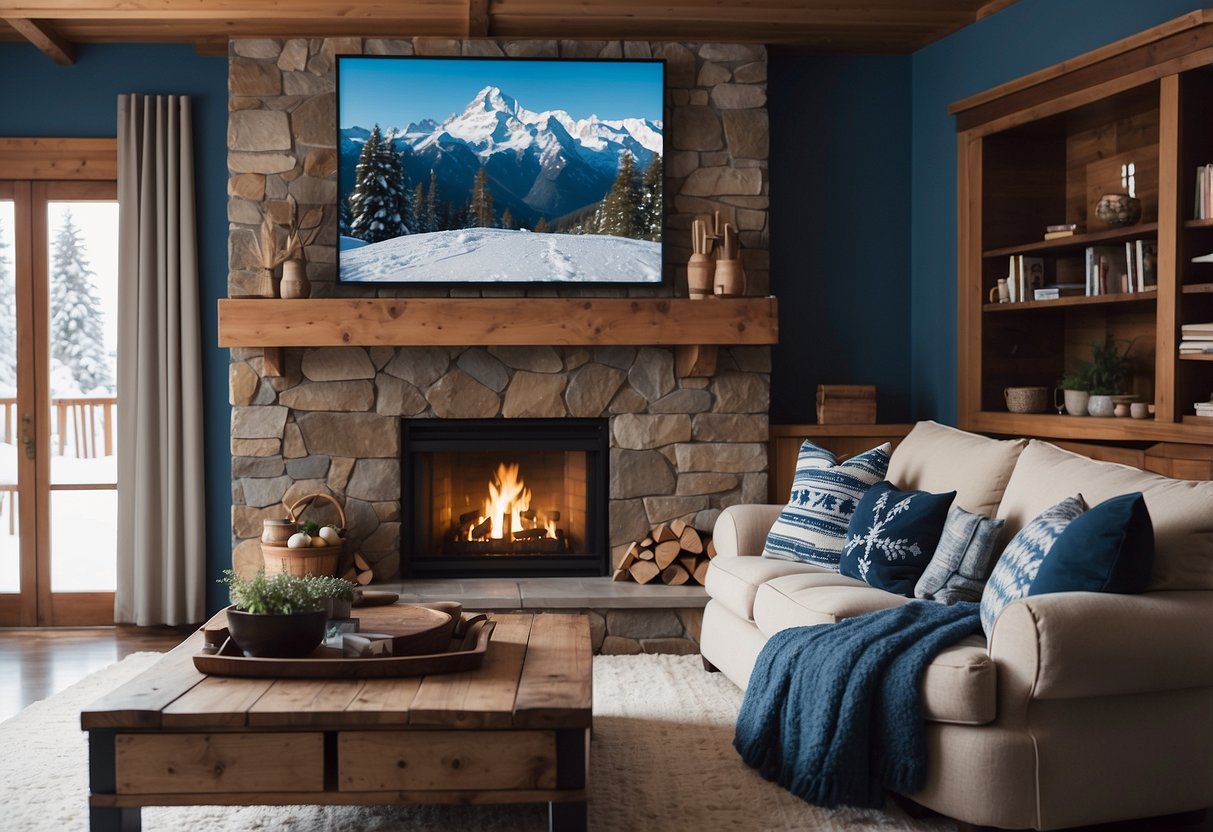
(846, 404)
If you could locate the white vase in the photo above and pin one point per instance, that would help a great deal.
(1076, 402)
(1100, 406)
(294, 283)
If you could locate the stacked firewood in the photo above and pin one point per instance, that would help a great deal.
(360, 571)
(674, 553)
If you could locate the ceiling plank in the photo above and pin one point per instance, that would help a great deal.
(992, 7)
(45, 38)
(478, 18)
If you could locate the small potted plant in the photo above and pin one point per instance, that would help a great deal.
(1106, 376)
(1076, 389)
(336, 594)
(280, 616)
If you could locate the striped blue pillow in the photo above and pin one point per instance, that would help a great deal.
(1020, 561)
(812, 528)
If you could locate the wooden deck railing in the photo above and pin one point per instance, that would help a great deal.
(81, 425)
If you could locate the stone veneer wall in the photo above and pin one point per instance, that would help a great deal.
(679, 447)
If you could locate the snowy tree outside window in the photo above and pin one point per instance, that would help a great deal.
(81, 362)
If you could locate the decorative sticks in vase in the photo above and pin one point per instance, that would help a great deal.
(721, 268)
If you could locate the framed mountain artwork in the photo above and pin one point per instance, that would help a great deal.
(499, 170)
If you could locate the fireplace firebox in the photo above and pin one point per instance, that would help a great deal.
(503, 497)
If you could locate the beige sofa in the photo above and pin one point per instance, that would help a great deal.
(1084, 707)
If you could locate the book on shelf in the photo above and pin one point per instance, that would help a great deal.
(1204, 192)
(1196, 330)
(1204, 408)
(1056, 235)
(1146, 271)
(1059, 290)
(1024, 276)
(1196, 347)
(1107, 270)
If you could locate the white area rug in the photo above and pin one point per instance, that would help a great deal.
(662, 759)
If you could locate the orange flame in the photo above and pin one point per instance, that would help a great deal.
(508, 499)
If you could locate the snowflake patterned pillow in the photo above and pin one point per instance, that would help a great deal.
(893, 535)
(1020, 561)
(813, 525)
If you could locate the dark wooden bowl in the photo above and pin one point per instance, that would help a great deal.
(276, 636)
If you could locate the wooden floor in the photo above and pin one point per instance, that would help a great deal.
(36, 663)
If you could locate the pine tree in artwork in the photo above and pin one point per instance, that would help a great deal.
(651, 211)
(343, 217)
(480, 214)
(432, 221)
(619, 213)
(419, 225)
(541, 227)
(507, 220)
(380, 199)
(77, 339)
(8, 322)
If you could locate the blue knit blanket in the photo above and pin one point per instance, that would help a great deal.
(832, 712)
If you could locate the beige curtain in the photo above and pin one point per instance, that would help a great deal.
(161, 546)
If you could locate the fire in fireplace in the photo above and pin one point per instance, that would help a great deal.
(505, 497)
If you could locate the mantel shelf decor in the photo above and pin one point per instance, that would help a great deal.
(693, 326)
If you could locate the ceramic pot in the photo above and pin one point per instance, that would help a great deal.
(276, 636)
(730, 280)
(1076, 401)
(1100, 406)
(294, 284)
(1118, 209)
(699, 276)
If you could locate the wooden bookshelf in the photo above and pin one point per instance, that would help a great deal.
(1041, 150)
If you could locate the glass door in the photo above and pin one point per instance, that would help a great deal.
(58, 348)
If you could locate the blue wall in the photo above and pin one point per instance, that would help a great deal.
(1025, 37)
(41, 98)
(840, 229)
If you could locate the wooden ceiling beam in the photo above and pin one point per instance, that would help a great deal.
(478, 19)
(45, 38)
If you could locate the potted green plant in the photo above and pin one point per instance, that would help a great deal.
(336, 594)
(280, 616)
(1106, 376)
(1076, 389)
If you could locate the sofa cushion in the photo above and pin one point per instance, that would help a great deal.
(1018, 564)
(892, 536)
(935, 457)
(958, 686)
(1181, 510)
(1109, 548)
(813, 525)
(733, 581)
(963, 559)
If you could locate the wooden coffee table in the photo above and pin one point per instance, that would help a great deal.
(516, 730)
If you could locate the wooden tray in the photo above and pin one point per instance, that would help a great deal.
(466, 653)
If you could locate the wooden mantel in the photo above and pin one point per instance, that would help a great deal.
(678, 322)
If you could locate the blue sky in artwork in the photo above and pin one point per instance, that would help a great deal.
(395, 91)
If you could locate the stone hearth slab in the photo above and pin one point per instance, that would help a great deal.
(547, 593)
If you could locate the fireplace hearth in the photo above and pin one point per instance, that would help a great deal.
(504, 497)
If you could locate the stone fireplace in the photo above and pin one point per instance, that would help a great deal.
(503, 497)
(680, 444)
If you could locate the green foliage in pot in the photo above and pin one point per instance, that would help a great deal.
(281, 594)
(1109, 368)
(1078, 380)
(327, 586)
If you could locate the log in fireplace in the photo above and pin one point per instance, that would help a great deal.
(504, 497)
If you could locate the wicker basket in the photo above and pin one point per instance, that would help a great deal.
(316, 560)
(1027, 399)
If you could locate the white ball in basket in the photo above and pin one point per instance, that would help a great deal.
(318, 541)
(330, 535)
(299, 540)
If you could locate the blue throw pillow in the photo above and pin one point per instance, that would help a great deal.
(1018, 564)
(813, 526)
(963, 559)
(1109, 548)
(893, 535)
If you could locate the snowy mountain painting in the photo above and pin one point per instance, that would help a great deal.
(500, 170)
